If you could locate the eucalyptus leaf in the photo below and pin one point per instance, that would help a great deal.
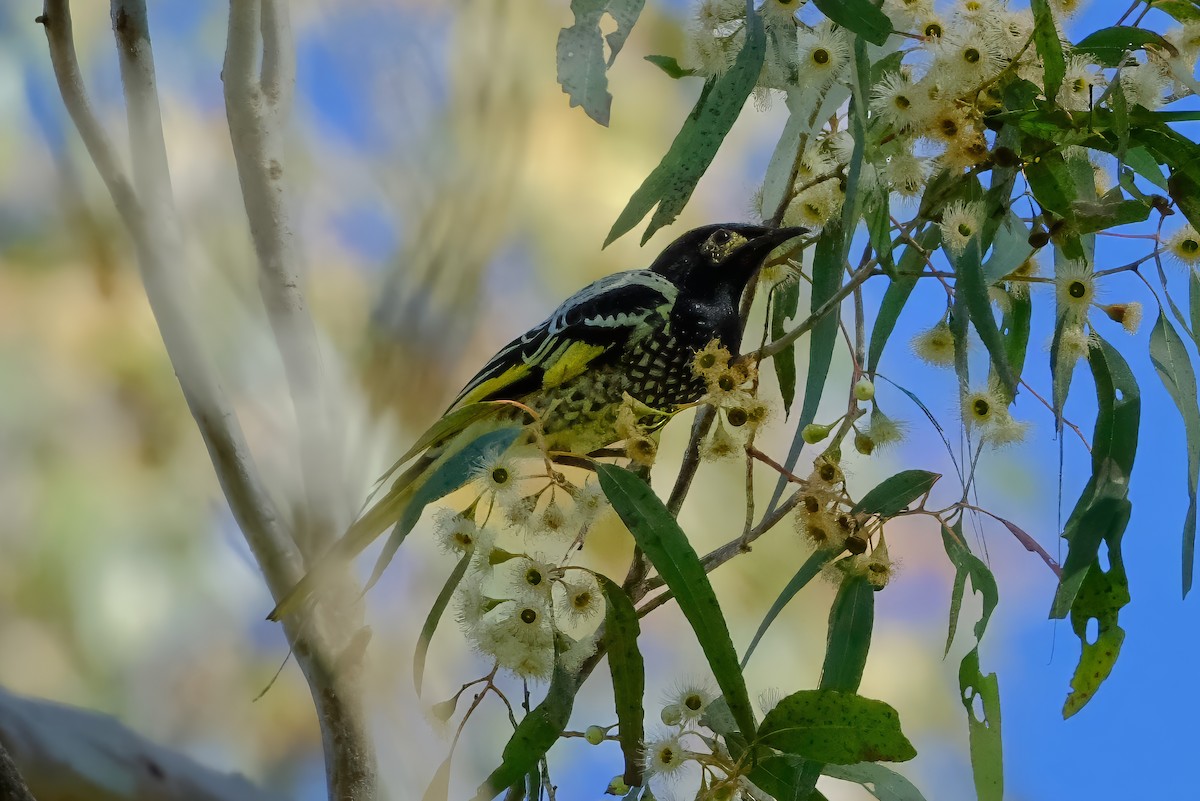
(835, 727)
(664, 543)
(621, 630)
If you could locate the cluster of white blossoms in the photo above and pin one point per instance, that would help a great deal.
(521, 608)
(948, 69)
(684, 741)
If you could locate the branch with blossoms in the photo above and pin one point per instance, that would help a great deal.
(976, 149)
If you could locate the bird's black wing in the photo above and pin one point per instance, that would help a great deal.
(588, 330)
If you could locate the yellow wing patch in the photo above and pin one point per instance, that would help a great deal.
(486, 388)
(573, 361)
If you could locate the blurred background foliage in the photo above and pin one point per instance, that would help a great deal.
(444, 198)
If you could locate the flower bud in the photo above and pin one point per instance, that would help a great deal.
(814, 433)
(864, 390)
(594, 735)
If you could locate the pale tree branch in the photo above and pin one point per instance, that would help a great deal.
(257, 106)
(67, 753)
(321, 640)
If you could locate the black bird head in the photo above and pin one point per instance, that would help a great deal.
(719, 260)
(711, 267)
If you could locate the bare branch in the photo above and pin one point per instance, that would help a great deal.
(147, 208)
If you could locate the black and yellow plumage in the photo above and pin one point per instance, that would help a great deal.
(634, 333)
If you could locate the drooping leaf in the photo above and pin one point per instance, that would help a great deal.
(582, 72)
(1109, 46)
(671, 183)
(808, 571)
(879, 780)
(1014, 327)
(970, 285)
(827, 277)
(785, 299)
(435, 616)
(851, 620)
(534, 736)
(1010, 248)
(835, 727)
(893, 495)
(664, 543)
(983, 725)
(1174, 367)
(621, 630)
(1102, 511)
(625, 13)
(1101, 597)
(860, 16)
(1049, 46)
(968, 566)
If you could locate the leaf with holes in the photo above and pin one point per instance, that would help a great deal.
(1102, 511)
(983, 727)
(968, 566)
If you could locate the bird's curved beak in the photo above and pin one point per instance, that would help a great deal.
(762, 241)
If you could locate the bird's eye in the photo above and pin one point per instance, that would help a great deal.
(721, 237)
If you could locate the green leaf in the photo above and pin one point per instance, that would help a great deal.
(826, 279)
(896, 295)
(664, 543)
(1110, 211)
(860, 16)
(835, 727)
(987, 755)
(785, 299)
(879, 228)
(1102, 511)
(973, 291)
(1109, 46)
(1049, 46)
(1181, 10)
(893, 495)
(1101, 597)
(534, 736)
(1014, 327)
(670, 65)
(621, 630)
(447, 477)
(1174, 367)
(582, 72)
(808, 571)
(1010, 248)
(851, 619)
(1051, 184)
(1185, 191)
(1141, 162)
(879, 780)
(671, 183)
(1062, 370)
(968, 566)
(435, 615)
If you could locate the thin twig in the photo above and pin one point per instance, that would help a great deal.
(856, 280)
